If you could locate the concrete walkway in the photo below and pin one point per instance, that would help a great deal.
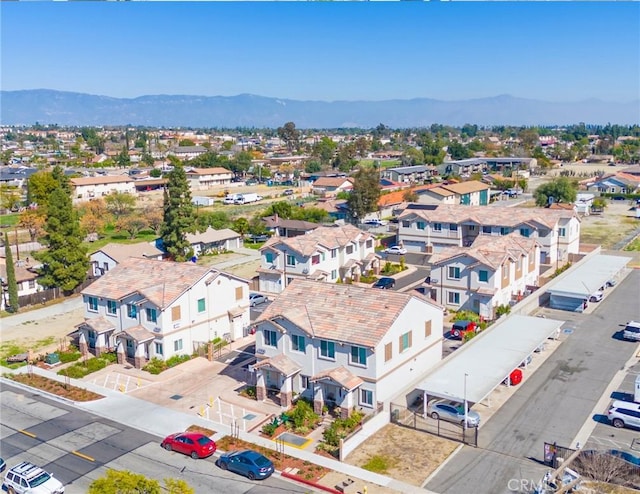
(160, 421)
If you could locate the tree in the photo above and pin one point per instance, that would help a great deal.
(561, 189)
(290, 135)
(324, 150)
(155, 173)
(124, 482)
(153, 215)
(365, 193)
(33, 220)
(148, 160)
(178, 215)
(39, 187)
(120, 203)
(241, 226)
(9, 197)
(65, 262)
(280, 208)
(132, 224)
(123, 160)
(312, 166)
(186, 142)
(410, 196)
(12, 284)
(458, 151)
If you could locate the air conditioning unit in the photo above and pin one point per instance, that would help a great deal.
(305, 271)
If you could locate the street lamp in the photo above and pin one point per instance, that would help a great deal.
(465, 400)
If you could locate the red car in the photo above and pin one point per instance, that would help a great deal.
(193, 444)
(461, 328)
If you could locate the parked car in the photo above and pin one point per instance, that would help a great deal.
(193, 444)
(385, 283)
(288, 192)
(256, 299)
(624, 414)
(396, 249)
(596, 296)
(3, 465)
(263, 237)
(461, 328)
(374, 222)
(452, 412)
(526, 361)
(249, 463)
(632, 331)
(28, 478)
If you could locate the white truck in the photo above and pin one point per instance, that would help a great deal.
(231, 198)
(247, 198)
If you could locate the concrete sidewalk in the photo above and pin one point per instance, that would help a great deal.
(67, 305)
(161, 421)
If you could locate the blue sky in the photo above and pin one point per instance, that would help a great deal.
(564, 51)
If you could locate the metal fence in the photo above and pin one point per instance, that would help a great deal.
(413, 419)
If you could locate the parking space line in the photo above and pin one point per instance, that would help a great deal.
(88, 458)
(27, 433)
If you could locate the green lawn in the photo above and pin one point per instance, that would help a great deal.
(9, 219)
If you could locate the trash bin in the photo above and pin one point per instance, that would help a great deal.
(395, 414)
(52, 358)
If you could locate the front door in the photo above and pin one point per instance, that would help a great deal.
(131, 348)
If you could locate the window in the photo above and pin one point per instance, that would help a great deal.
(92, 304)
(388, 351)
(315, 259)
(239, 293)
(358, 355)
(159, 348)
(369, 244)
(525, 232)
(349, 249)
(405, 341)
(505, 230)
(297, 343)
(132, 311)
(421, 225)
(105, 266)
(268, 256)
(176, 313)
(270, 338)
(334, 274)
(472, 228)
(323, 255)
(562, 232)
(151, 315)
(366, 397)
(32, 283)
(406, 224)
(453, 298)
(327, 349)
(202, 306)
(291, 260)
(112, 307)
(483, 275)
(427, 328)
(454, 273)
(177, 345)
(437, 227)
(486, 230)
(334, 253)
(304, 382)
(453, 227)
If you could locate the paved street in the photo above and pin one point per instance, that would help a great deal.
(552, 405)
(53, 433)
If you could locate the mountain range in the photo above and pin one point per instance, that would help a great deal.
(26, 107)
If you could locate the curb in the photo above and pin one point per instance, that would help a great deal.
(290, 476)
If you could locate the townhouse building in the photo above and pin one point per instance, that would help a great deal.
(470, 193)
(344, 345)
(328, 253)
(429, 228)
(205, 178)
(147, 308)
(494, 271)
(108, 257)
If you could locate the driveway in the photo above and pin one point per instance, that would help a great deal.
(552, 405)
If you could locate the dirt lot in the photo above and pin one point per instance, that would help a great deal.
(397, 446)
(607, 229)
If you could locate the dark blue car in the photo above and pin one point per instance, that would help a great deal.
(385, 283)
(248, 463)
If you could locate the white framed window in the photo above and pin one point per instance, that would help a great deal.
(562, 232)
(358, 355)
(334, 274)
(366, 397)
(406, 224)
(112, 307)
(454, 272)
(349, 249)
(437, 227)
(270, 338)
(177, 345)
(483, 276)
(152, 315)
(327, 349)
(304, 382)
(158, 348)
(334, 253)
(297, 343)
(291, 260)
(92, 304)
(132, 311)
(453, 298)
(453, 227)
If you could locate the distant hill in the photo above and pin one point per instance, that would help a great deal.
(246, 110)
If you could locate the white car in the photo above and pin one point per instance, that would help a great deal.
(256, 299)
(28, 478)
(596, 296)
(395, 250)
(375, 223)
(632, 331)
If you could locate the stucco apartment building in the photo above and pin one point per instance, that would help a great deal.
(344, 345)
(328, 253)
(471, 193)
(494, 271)
(427, 228)
(87, 188)
(205, 178)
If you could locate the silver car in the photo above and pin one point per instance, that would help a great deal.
(452, 412)
(632, 331)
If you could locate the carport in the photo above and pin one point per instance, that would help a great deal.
(573, 290)
(471, 373)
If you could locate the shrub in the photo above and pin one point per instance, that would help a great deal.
(70, 355)
(503, 309)
(269, 429)
(177, 360)
(82, 369)
(155, 366)
(249, 392)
